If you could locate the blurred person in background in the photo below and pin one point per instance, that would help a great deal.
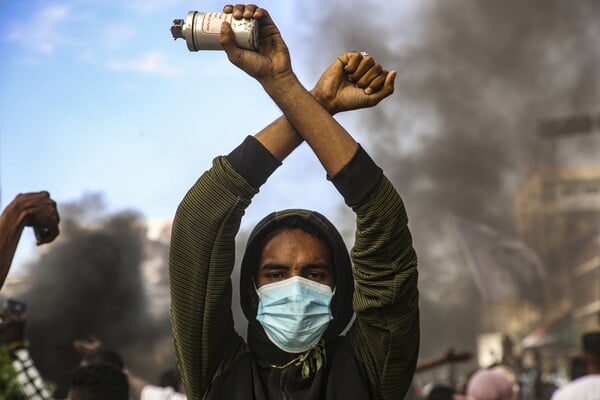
(576, 367)
(441, 392)
(12, 335)
(102, 381)
(93, 351)
(87, 383)
(170, 378)
(586, 387)
(489, 384)
(530, 375)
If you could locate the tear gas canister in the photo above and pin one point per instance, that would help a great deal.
(201, 30)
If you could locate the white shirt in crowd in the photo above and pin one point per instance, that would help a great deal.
(150, 392)
(584, 388)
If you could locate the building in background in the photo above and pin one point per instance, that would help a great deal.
(558, 215)
(585, 295)
(545, 304)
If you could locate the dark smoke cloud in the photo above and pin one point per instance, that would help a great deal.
(475, 78)
(90, 282)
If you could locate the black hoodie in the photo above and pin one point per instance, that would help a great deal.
(269, 382)
(376, 358)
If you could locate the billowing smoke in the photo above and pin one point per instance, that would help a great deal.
(90, 282)
(475, 79)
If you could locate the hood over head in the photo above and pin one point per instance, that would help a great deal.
(314, 223)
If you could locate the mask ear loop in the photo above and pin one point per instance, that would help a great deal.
(257, 299)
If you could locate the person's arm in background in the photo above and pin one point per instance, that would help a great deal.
(12, 335)
(450, 356)
(37, 210)
(136, 384)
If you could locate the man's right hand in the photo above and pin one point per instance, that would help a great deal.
(353, 81)
(271, 60)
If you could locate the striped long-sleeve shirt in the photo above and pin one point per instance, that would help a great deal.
(385, 334)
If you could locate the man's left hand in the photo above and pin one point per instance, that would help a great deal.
(353, 81)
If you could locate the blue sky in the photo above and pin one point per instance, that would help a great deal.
(96, 97)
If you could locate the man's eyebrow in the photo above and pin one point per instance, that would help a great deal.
(274, 267)
(318, 266)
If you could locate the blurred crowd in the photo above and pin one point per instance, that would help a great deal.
(517, 377)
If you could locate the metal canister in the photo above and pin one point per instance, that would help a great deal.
(201, 30)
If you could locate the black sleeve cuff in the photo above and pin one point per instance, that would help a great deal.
(253, 161)
(357, 179)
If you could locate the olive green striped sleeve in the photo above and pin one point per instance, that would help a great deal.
(385, 335)
(201, 260)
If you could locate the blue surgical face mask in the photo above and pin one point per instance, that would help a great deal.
(294, 312)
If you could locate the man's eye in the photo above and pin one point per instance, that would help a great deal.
(315, 276)
(274, 275)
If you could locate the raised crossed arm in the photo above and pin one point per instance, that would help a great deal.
(353, 81)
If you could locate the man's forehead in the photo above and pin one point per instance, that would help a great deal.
(296, 238)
